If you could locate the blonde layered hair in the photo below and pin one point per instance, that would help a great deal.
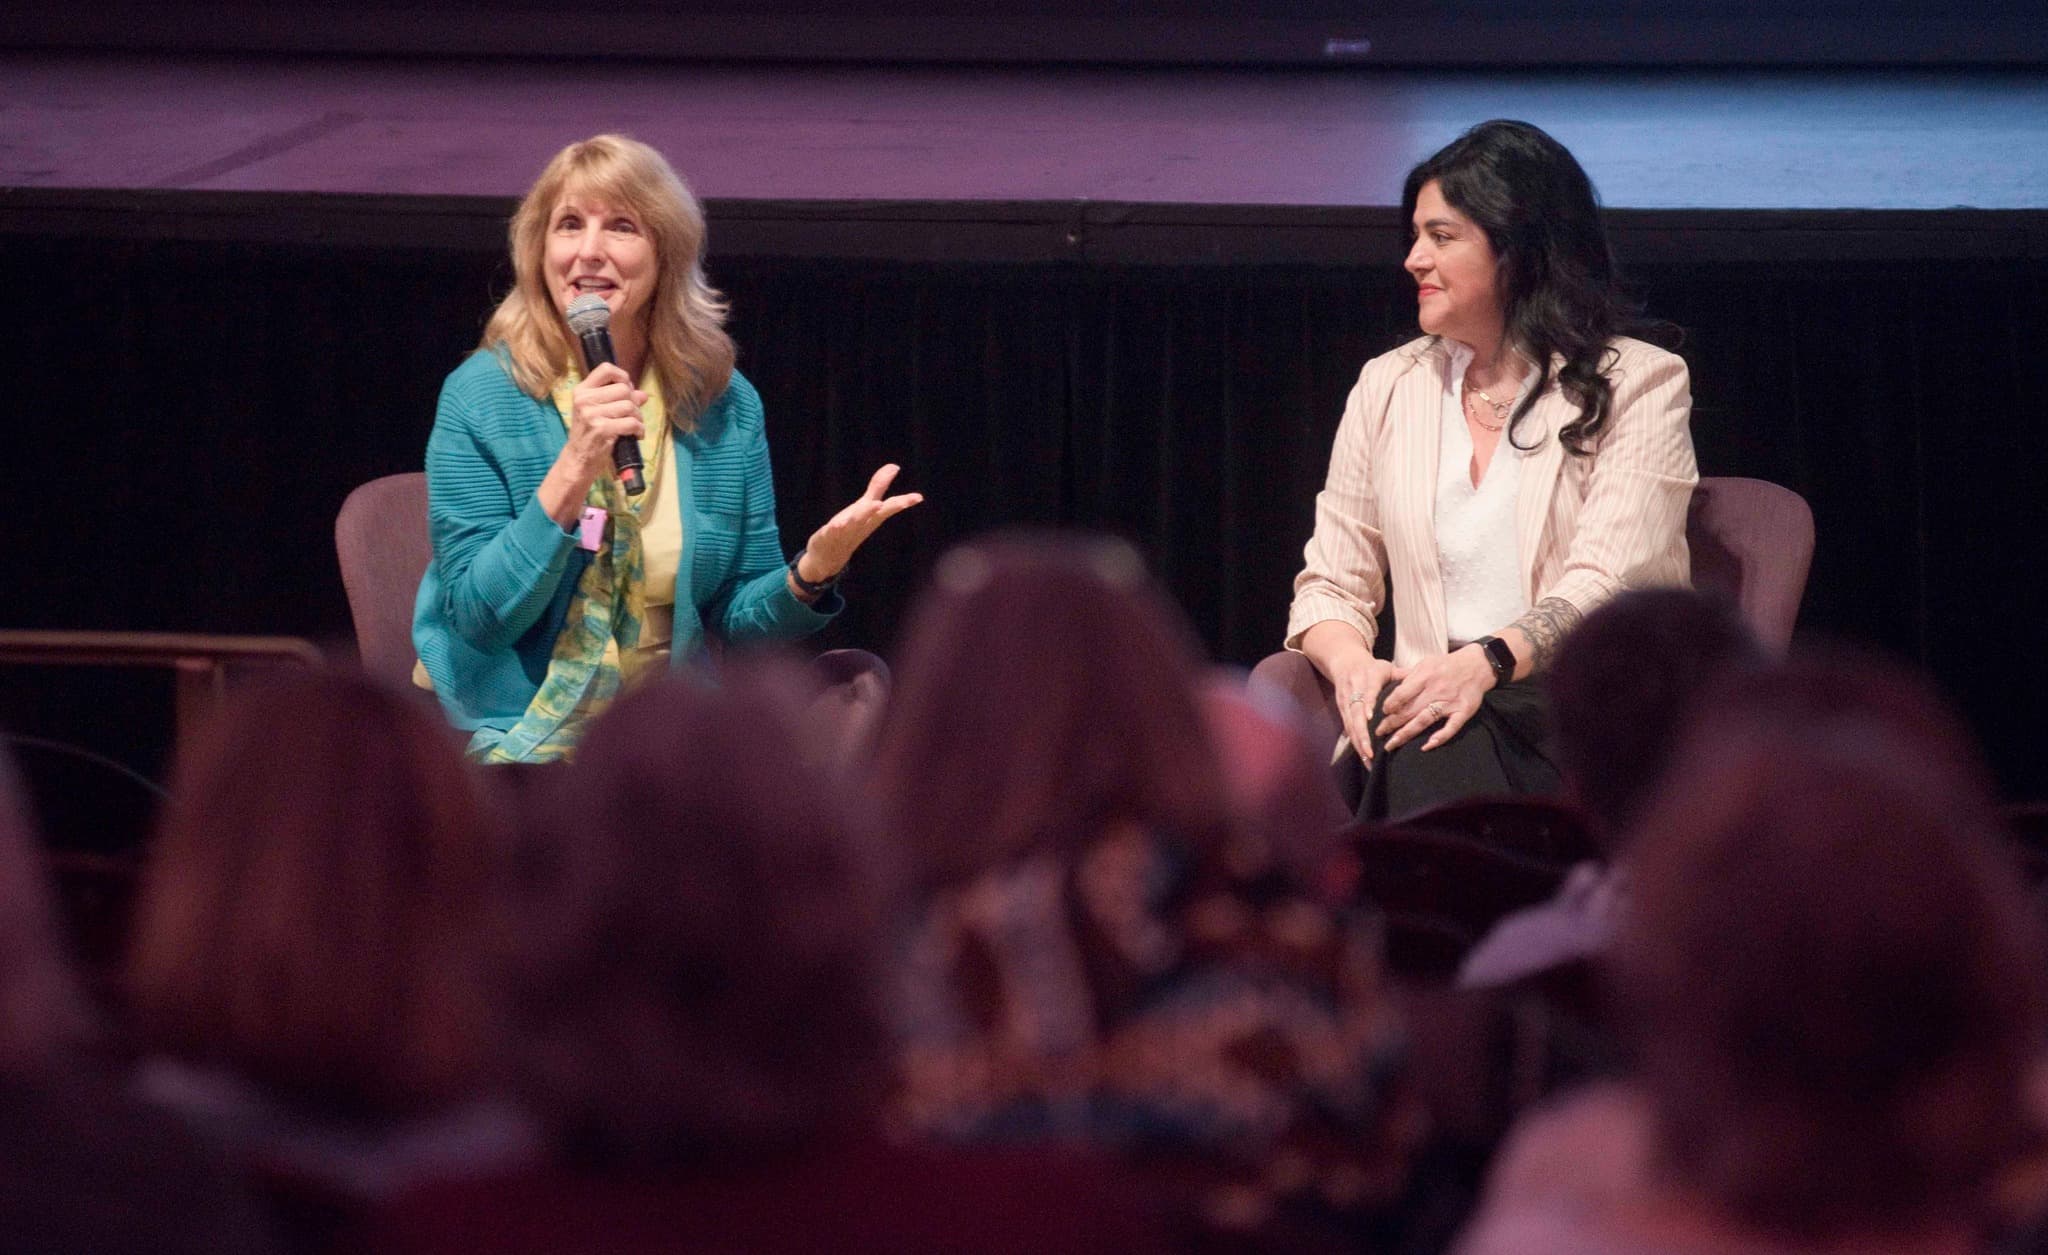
(688, 349)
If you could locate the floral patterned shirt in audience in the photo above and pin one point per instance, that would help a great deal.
(1190, 1009)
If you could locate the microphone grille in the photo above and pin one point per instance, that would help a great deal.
(588, 313)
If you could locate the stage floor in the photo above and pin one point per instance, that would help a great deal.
(1000, 160)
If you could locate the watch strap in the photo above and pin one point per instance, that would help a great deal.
(1499, 657)
(812, 588)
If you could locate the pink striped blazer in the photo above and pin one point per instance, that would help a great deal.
(1588, 527)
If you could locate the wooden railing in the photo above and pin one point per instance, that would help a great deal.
(200, 662)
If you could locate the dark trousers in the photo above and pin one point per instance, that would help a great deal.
(1505, 748)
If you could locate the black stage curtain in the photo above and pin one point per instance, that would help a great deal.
(191, 414)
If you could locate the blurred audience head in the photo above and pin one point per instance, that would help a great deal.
(42, 1012)
(1277, 779)
(696, 962)
(312, 917)
(1827, 964)
(1046, 689)
(1623, 685)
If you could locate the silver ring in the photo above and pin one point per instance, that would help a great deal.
(1355, 699)
(1436, 708)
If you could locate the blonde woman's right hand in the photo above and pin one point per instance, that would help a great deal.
(605, 406)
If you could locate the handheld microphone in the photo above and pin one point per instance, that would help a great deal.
(591, 319)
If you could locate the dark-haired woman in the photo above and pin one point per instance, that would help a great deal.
(1499, 477)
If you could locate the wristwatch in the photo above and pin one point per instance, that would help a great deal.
(813, 588)
(1499, 657)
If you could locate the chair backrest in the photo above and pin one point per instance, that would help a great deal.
(1446, 873)
(1752, 540)
(1551, 832)
(1439, 891)
(381, 539)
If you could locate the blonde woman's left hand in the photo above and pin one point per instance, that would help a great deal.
(831, 546)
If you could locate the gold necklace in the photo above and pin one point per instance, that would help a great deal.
(1500, 408)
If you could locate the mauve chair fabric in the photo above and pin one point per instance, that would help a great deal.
(1295, 675)
(1752, 540)
(381, 538)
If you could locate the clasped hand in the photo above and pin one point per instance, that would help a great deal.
(1440, 692)
(1437, 695)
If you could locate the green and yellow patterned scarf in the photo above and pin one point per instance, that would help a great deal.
(602, 627)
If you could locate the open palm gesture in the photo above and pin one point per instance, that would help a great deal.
(832, 546)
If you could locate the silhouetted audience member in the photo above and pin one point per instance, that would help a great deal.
(1099, 951)
(1624, 687)
(310, 948)
(83, 1166)
(43, 1014)
(1621, 693)
(1828, 972)
(699, 1027)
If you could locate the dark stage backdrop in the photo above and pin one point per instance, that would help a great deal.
(190, 416)
(1184, 32)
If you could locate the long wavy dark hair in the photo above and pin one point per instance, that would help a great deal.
(1541, 216)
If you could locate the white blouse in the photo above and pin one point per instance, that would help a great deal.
(1476, 542)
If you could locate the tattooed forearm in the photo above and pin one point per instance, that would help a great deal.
(1544, 626)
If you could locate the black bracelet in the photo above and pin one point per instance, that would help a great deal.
(807, 587)
(1499, 657)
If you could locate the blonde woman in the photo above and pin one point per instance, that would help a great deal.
(550, 586)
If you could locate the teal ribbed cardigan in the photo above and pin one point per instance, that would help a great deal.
(498, 590)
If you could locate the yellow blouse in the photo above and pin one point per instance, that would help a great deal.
(661, 529)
